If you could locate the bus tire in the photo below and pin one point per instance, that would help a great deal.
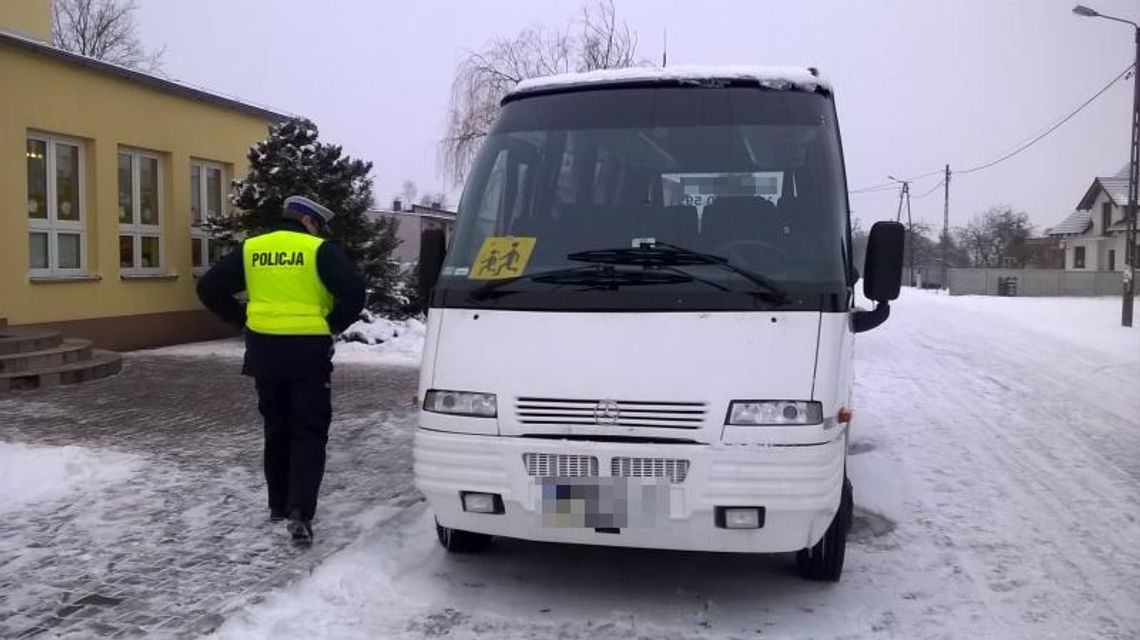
(824, 560)
(459, 541)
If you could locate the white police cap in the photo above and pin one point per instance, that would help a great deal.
(297, 206)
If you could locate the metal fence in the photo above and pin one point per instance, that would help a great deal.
(1033, 282)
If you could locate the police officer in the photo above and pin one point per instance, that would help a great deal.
(302, 290)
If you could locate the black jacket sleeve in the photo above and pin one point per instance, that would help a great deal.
(344, 282)
(218, 286)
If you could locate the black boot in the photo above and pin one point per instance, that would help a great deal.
(277, 514)
(300, 529)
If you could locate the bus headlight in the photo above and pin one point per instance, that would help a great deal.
(461, 403)
(774, 412)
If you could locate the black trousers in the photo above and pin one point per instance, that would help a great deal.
(297, 414)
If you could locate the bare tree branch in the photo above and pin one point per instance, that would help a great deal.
(104, 30)
(595, 41)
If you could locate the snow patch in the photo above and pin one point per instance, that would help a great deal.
(770, 77)
(1091, 323)
(382, 341)
(880, 485)
(395, 582)
(379, 341)
(31, 475)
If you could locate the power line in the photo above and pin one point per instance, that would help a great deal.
(874, 189)
(932, 189)
(923, 176)
(1050, 129)
(888, 186)
(891, 186)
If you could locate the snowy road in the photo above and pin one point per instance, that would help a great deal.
(997, 469)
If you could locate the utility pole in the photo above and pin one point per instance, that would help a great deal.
(910, 232)
(1133, 178)
(946, 229)
(904, 195)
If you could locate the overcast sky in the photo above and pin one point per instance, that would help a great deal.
(919, 83)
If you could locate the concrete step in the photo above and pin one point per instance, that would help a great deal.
(28, 340)
(100, 365)
(68, 352)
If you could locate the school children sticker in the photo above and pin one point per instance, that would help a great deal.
(502, 257)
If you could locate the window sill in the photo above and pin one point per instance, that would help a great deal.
(147, 277)
(62, 279)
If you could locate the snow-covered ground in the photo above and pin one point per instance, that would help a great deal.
(996, 462)
(1092, 323)
(39, 479)
(385, 342)
(34, 474)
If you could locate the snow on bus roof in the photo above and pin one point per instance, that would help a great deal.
(772, 77)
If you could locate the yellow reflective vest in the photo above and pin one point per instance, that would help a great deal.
(286, 295)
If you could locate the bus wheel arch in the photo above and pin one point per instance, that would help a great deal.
(823, 561)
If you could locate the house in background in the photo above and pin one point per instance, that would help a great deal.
(413, 220)
(1093, 236)
(106, 175)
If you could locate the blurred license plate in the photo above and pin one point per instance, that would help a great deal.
(602, 502)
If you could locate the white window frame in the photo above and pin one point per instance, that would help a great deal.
(135, 228)
(197, 232)
(51, 225)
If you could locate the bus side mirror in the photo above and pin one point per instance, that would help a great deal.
(882, 269)
(882, 273)
(433, 248)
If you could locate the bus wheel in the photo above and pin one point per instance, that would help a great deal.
(459, 541)
(824, 560)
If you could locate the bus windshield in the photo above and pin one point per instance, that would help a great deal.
(578, 183)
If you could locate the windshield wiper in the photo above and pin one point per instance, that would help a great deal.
(663, 254)
(605, 276)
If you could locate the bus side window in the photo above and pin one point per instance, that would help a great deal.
(487, 216)
(518, 194)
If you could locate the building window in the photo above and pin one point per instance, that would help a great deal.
(207, 202)
(56, 244)
(1105, 218)
(1078, 257)
(1112, 259)
(140, 213)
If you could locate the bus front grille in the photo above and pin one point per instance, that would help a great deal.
(674, 469)
(558, 465)
(624, 413)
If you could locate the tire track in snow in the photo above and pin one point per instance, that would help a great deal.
(1035, 497)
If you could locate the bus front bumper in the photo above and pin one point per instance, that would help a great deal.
(548, 490)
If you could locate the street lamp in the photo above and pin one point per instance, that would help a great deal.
(1130, 256)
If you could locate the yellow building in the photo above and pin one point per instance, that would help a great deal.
(105, 176)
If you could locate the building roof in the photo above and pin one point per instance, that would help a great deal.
(1077, 223)
(170, 86)
(1117, 190)
(434, 211)
(1115, 187)
(801, 78)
